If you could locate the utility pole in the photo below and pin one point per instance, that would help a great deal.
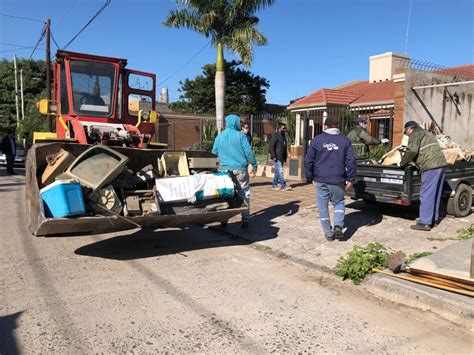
(22, 98)
(48, 68)
(16, 95)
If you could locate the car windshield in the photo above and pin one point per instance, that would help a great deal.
(92, 87)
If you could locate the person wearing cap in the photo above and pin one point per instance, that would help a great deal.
(361, 139)
(331, 166)
(424, 151)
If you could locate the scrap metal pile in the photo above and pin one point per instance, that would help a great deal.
(99, 182)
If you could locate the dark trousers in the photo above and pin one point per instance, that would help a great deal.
(430, 195)
(10, 161)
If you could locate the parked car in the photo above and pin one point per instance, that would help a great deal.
(19, 158)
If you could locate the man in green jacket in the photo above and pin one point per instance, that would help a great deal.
(423, 150)
(361, 139)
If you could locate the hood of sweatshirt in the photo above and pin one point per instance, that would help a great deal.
(333, 131)
(232, 122)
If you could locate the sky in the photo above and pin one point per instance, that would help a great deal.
(312, 43)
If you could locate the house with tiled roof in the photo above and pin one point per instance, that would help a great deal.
(398, 90)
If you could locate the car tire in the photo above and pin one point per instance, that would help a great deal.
(460, 204)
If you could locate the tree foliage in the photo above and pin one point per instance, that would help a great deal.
(245, 92)
(34, 88)
(231, 24)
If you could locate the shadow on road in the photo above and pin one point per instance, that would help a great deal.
(355, 220)
(262, 226)
(371, 209)
(148, 243)
(8, 343)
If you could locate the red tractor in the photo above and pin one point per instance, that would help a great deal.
(97, 100)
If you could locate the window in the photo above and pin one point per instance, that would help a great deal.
(92, 87)
(63, 91)
(140, 82)
(139, 102)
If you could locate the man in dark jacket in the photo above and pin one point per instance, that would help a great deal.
(246, 130)
(423, 149)
(361, 139)
(331, 166)
(9, 149)
(278, 149)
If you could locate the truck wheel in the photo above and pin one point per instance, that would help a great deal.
(460, 204)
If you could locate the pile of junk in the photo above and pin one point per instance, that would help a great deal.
(452, 151)
(75, 188)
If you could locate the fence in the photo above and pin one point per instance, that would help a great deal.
(198, 132)
(380, 120)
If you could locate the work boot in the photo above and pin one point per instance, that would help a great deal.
(338, 233)
(245, 225)
(421, 227)
(330, 238)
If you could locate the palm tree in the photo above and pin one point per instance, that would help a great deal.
(231, 25)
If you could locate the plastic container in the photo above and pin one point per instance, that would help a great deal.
(63, 198)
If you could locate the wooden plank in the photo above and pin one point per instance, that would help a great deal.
(457, 278)
(426, 282)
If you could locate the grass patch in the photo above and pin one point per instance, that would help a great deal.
(462, 234)
(415, 256)
(466, 233)
(360, 261)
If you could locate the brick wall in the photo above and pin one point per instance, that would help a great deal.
(180, 132)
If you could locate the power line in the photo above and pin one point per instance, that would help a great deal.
(182, 66)
(54, 40)
(107, 2)
(22, 18)
(14, 45)
(43, 32)
(19, 49)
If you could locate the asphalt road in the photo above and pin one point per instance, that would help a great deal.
(185, 291)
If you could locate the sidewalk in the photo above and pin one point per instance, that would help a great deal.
(287, 222)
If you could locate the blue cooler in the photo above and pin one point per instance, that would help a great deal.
(63, 198)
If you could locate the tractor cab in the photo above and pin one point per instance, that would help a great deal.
(97, 100)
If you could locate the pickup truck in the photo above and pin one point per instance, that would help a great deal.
(395, 185)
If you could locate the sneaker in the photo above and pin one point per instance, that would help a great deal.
(421, 227)
(288, 188)
(338, 234)
(276, 188)
(330, 238)
(245, 224)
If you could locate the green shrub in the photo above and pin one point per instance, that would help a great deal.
(378, 152)
(360, 261)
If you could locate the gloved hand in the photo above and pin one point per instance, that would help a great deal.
(384, 140)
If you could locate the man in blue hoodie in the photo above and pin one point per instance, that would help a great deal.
(235, 154)
(331, 166)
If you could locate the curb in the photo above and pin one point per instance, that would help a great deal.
(455, 308)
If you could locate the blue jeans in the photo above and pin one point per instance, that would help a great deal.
(430, 195)
(335, 194)
(278, 175)
(243, 178)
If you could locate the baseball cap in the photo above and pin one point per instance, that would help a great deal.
(330, 121)
(361, 120)
(410, 124)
